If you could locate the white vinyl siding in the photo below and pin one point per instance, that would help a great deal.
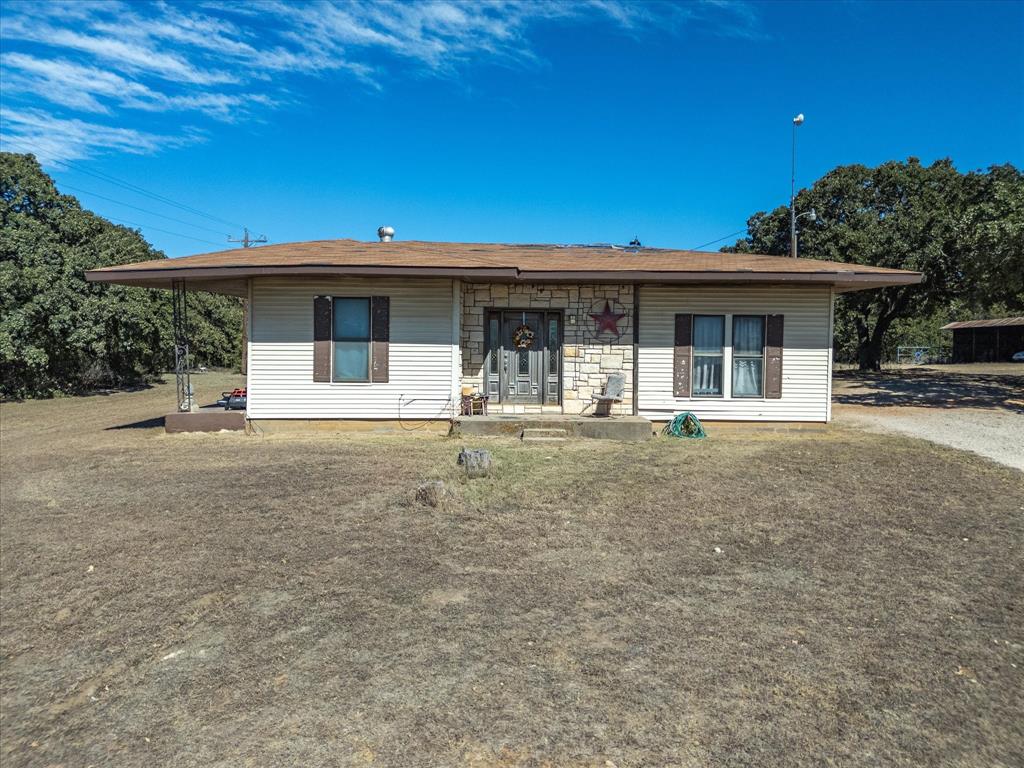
(806, 356)
(421, 346)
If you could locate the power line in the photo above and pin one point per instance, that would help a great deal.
(139, 190)
(160, 198)
(143, 210)
(165, 231)
(726, 237)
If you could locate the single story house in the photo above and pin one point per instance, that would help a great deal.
(987, 341)
(343, 329)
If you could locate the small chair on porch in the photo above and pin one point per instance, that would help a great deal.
(473, 403)
(614, 388)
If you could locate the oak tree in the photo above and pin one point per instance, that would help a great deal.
(59, 333)
(963, 232)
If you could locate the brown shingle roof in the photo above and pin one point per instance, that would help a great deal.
(1000, 322)
(486, 261)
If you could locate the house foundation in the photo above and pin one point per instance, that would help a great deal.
(625, 428)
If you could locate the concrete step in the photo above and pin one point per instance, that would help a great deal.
(542, 435)
(618, 428)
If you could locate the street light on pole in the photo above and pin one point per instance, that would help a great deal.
(811, 215)
(798, 120)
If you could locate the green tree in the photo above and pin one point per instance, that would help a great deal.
(59, 333)
(991, 234)
(964, 232)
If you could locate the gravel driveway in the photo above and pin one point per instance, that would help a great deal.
(979, 411)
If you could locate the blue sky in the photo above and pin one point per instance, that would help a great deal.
(509, 122)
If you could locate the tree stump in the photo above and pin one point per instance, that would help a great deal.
(432, 494)
(477, 463)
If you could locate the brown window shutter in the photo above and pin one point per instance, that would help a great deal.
(380, 335)
(773, 357)
(323, 321)
(682, 359)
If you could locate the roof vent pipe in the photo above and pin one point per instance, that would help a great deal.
(385, 234)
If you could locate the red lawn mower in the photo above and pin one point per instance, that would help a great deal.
(233, 400)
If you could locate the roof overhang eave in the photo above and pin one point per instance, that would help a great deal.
(234, 280)
(843, 281)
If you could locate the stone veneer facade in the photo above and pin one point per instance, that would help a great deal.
(587, 357)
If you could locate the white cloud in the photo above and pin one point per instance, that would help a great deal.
(107, 45)
(52, 139)
(223, 60)
(92, 89)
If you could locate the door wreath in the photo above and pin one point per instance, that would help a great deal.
(523, 337)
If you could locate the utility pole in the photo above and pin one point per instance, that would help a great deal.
(798, 120)
(246, 240)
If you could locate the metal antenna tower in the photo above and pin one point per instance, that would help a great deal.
(246, 240)
(182, 362)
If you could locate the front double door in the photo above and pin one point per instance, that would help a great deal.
(524, 356)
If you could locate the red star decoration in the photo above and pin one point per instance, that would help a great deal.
(608, 320)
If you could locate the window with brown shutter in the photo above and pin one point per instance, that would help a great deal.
(351, 338)
(323, 322)
(773, 346)
(682, 358)
(380, 333)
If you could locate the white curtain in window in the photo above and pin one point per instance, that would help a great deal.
(708, 340)
(746, 377)
(707, 375)
(747, 335)
(708, 334)
(748, 356)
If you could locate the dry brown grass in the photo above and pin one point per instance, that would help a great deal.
(229, 600)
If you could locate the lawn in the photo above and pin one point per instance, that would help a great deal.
(836, 598)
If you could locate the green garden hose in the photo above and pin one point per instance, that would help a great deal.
(685, 425)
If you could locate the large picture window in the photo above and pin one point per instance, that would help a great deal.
(351, 337)
(708, 353)
(747, 356)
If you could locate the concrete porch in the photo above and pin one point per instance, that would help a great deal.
(625, 428)
(208, 419)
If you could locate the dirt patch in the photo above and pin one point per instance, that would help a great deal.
(443, 597)
(964, 408)
(802, 599)
(922, 387)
